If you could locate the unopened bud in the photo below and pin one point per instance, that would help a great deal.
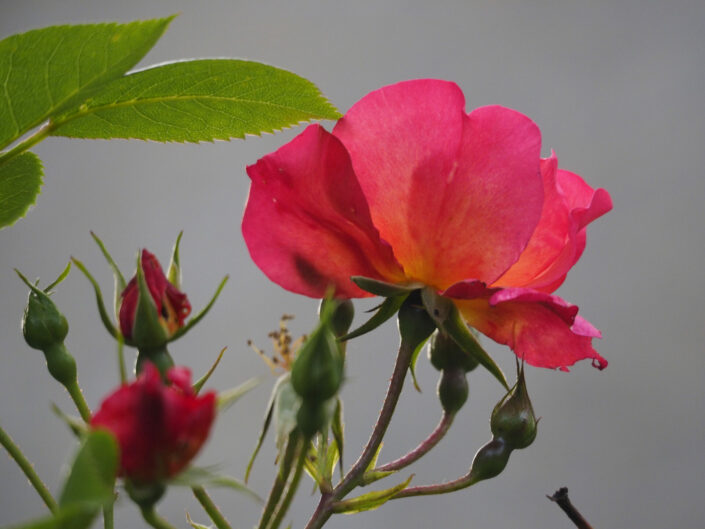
(453, 389)
(342, 316)
(445, 353)
(317, 372)
(513, 417)
(43, 325)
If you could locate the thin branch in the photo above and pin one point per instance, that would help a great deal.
(561, 498)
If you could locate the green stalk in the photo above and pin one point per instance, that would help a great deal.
(152, 518)
(211, 508)
(293, 485)
(31, 141)
(26, 466)
(77, 397)
(280, 481)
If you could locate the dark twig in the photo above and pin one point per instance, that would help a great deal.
(561, 498)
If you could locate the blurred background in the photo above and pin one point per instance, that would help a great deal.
(618, 91)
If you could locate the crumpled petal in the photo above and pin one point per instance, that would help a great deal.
(559, 239)
(307, 224)
(542, 329)
(445, 189)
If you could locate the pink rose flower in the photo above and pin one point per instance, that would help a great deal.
(158, 427)
(408, 188)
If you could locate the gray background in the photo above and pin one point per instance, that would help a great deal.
(617, 89)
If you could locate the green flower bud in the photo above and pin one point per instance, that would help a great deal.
(312, 417)
(490, 460)
(513, 417)
(42, 324)
(342, 316)
(317, 372)
(453, 389)
(445, 353)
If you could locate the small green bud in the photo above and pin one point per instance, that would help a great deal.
(490, 460)
(513, 417)
(453, 389)
(42, 324)
(445, 353)
(342, 317)
(312, 417)
(317, 373)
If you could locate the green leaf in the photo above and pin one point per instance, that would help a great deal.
(369, 501)
(386, 310)
(198, 100)
(205, 477)
(20, 183)
(230, 396)
(448, 318)
(46, 71)
(71, 517)
(91, 479)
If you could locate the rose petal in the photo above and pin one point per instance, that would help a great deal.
(559, 239)
(455, 195)
(307, 224)
(540, 328)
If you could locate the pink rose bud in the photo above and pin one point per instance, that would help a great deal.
(172, 305)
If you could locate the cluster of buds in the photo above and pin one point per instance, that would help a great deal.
(158, 420)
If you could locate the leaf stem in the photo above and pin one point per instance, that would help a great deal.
(293, 485)
(31, 141)
(121, 358)
(152, 518)
(28, 469)
(423, 448)
(355, 474)
(211, 508)
(280, 481)
(438, 488)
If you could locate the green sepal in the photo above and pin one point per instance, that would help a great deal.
(385, 311)
(194, 524)
(230, 396)
(286, 406)
(382, 288)
(75, 424)
(173, 275)
(206, 477)
(198, 317)
(332, 457)
(415, 327)
(201, 381)
(73, 517)
(147, 330)
(338, 429)
(314, 467)
(267, 421)
(120, 283)
(448, 319)
(104, 316)
(369, 501)
(63, 275)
